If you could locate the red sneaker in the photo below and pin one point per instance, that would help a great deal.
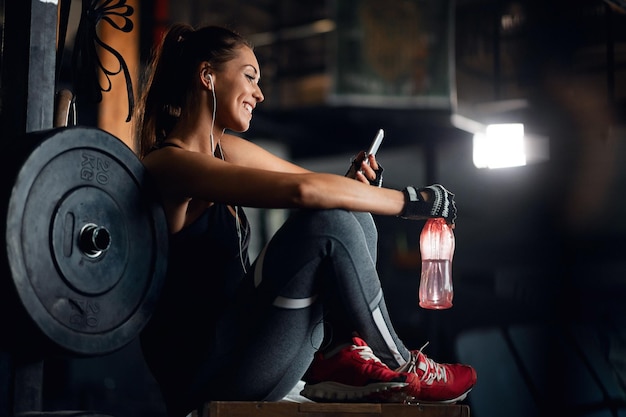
(440, 383)
(355, 374)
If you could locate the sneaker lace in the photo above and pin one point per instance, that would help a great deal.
(366, 353)
(433, 372)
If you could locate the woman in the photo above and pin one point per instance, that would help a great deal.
(226, 329)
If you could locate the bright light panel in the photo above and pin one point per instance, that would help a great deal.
(501, 146)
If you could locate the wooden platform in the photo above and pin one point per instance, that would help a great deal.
(293, 409)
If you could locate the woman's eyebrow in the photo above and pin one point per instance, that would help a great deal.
(253, 68)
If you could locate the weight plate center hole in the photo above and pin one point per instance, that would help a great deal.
(94, 240)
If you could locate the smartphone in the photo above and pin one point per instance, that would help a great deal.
(375, 145)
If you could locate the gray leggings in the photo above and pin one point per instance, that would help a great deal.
(314, 282)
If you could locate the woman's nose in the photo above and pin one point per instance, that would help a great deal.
(258, 94)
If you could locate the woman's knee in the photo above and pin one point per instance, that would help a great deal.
(337, 219)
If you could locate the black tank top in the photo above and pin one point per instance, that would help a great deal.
(207, 254)
(204, 270)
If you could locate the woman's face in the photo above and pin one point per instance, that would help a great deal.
(237, 91)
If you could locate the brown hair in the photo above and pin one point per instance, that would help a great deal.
(169, 78)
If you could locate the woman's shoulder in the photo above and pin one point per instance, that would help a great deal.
(230, 138)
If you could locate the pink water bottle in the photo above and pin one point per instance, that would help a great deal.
(437, 250)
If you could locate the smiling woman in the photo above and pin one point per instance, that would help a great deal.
(229, 329)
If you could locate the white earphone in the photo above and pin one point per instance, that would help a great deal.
(209, 78)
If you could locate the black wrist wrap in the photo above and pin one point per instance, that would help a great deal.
(378, 181)
(415, 206)
(440, 203)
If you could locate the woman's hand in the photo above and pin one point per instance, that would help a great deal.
(366, 170)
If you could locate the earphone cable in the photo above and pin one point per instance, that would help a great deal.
(213, 118)
(237, 222)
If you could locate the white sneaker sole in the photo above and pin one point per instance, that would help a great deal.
(375, 392)
(461, 397)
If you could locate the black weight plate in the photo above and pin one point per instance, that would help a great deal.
(95, 301)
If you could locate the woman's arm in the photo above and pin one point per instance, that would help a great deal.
(183, 174)
(242, 152)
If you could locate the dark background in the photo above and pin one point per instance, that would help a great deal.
(540, 263)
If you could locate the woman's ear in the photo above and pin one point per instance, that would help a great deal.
(207, 77)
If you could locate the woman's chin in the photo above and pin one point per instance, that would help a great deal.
(242, 128)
